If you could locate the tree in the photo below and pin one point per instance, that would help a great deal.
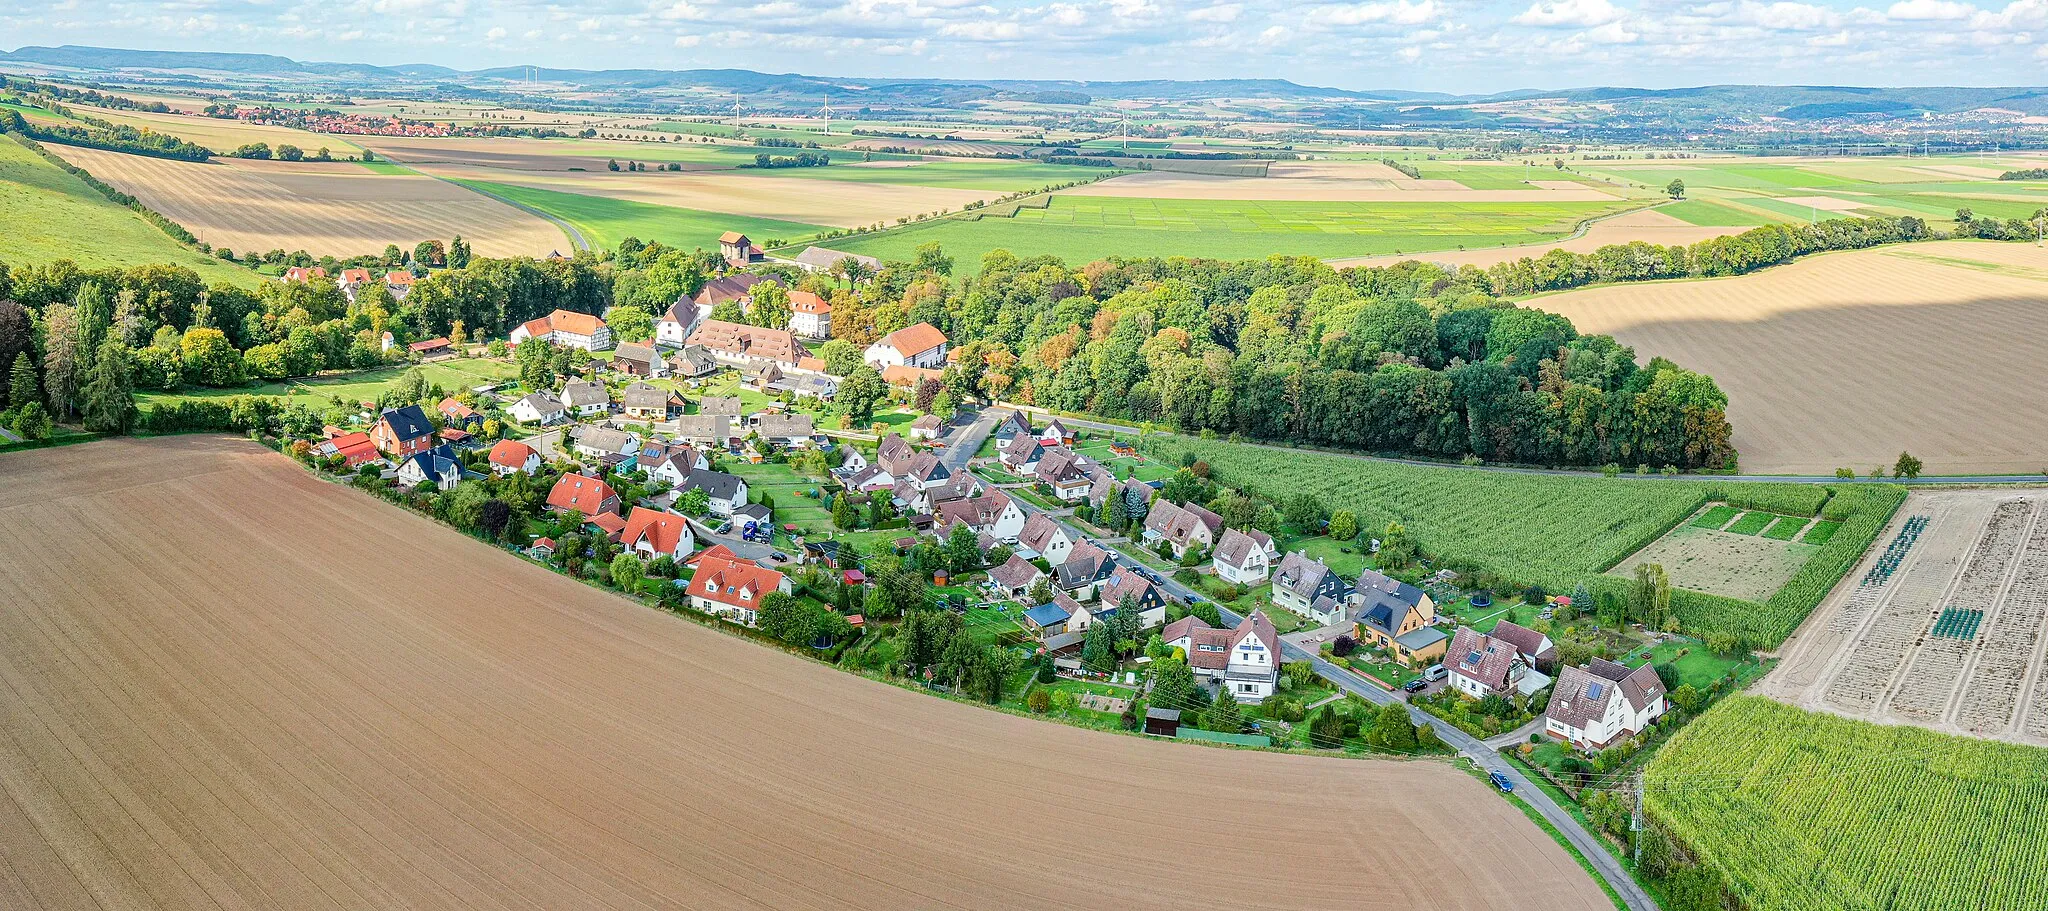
(1650, 595)
(21, 383)
(963, 548)
(627, 571)
(693, 502)
(1174, 686)
(1343, 525)
(496, 517)
(458, 253)
(782, 616)
(630, 323)
(93, 312)
(770, 306)
(1675, 189)
(430, 253)
(1306, 513)
(930, 257)
(611, 164)
(287, 152)
(61, 368)
(841, 357)
(1397, 549)
(860, 393)
(1688, 698)
(1039, 702)
(1097, 648)
(1224, 716)
(1392, 729)
(208, 358)
(17, 334)
(1906, 467)
(109, 395)
(843, 516)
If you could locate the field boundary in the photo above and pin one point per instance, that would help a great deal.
(158, 220)
(574, 234)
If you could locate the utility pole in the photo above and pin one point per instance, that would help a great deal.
(1635, 821)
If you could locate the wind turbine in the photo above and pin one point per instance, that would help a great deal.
(827, 111)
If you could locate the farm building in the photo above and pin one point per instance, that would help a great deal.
(820, 259)
(743, 345)
(636, 359)
(566, 328)
(922, 345)
(738, 249)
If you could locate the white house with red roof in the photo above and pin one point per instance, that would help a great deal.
(566, 328)
(510, 457)
(810, 315)
(922, 345)
(1246, 659)
(726, 585)
(1483, 665)
(652, 533)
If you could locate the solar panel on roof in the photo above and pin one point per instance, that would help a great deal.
(1593, 690)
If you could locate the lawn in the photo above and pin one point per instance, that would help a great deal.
(787, 487)
(48, 215)
(1083, 228)
(1346, 558)
(1786, 528)
(1751, 523)
(605, 222)
(1716, 517)
(1698, 665)
(1138, 466)
(359, 386)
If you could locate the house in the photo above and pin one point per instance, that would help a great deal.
(785, 430)
(724, 493)
(960, 486)
(1309, 588)
(1241, 558)
(542, 549)
(741, 344)
(1126, 586)
(807, 385)
(864, 479)
(731, 587)
(585, 399)
(820, 259)
(1043, 537)
(1183, 528)
(927, 471)
(922, 345)
(431, 348)
(541, 408)
(510, 457)
(763, 374)
(399, 283)
(704, 430)
(584, 495)
(910, 500)
(1245, 659)
(927, 428)
(648, 402)
(1015, 577)
(354, 449)
(692, 362)
(674, 465)
(1056, 434)
(894, 455)
(456, 414)
(1399, 619)
(735, 288)
(352, 280)
(737, 249)
(1012, 425)
(1066, 472)
(1483, 666)
(455, 436)
(401, 432)
(810, 315)
(566, 328)
(1602, 703)
(1051, 618)
(597, 441)
(1021, 455)
(727, 405)
(1534, 648)
(303, 274)
(673, 327)
(636, 359)
(995, 515)
(438, 466)
(652, 533)
(1086, 568)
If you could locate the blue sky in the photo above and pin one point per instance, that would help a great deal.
(1444, 45)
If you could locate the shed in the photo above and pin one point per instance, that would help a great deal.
(854, 577)
(1162, 722)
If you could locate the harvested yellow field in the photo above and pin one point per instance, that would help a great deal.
(338, 208)
(1845, 359)
(1298, 185)
(224, 135)
(1646, 225)
(509, 153)
(231, 685)
(844, 204)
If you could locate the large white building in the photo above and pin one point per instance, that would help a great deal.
(809, 315)
(922, 345)
(566, 328)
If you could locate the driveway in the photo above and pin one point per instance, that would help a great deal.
(963, 440)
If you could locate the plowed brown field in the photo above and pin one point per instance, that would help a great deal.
(1845, 359)
(227, 684)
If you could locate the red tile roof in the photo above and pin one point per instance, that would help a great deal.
(899, 375)
(662, 531)
(911, 341)
(806, 302)
(428, 345)
(398, 277)
(721, 577)
(511, 455)
(581, 493)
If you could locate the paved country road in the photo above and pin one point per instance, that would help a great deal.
(1587, 843)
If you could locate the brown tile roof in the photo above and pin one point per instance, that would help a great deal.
(732, 287)
(1235, 547)
(978, 512)
(1583, 694)
(1038, 532)
(1481, 658)
(1528, 643)
(911, 341)
(1015, 573)
(732, 237)
(739, 339)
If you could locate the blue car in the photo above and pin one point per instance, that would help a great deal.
(1501, 781)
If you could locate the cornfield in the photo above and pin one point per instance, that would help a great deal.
(1559, 530)
(1815, 812)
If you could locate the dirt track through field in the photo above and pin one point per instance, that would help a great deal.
(339, 208)
(226, 684)
(1845, 359)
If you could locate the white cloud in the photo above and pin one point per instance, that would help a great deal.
(1398, 12)
(1569, 14)
(683, 9)
(1785, 16)
(1221, 12)
(496, 34)
(1612, 33)
(1929, 11)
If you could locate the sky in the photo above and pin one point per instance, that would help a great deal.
(1428, 45)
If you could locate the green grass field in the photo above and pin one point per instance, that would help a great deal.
(48, 215)
(1716, 517)
(605, 222)
(1822, 813)
(1712, 214)
(1751, 523)
(1083, 228)
(1786, 528)
(359, 386)
(1821, 532)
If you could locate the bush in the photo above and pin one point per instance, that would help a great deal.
(1344, 646)
(1039, 702)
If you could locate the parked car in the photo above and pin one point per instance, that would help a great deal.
(1501, 781)
(1435, 673)
(1416, 685)
(778, 556)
